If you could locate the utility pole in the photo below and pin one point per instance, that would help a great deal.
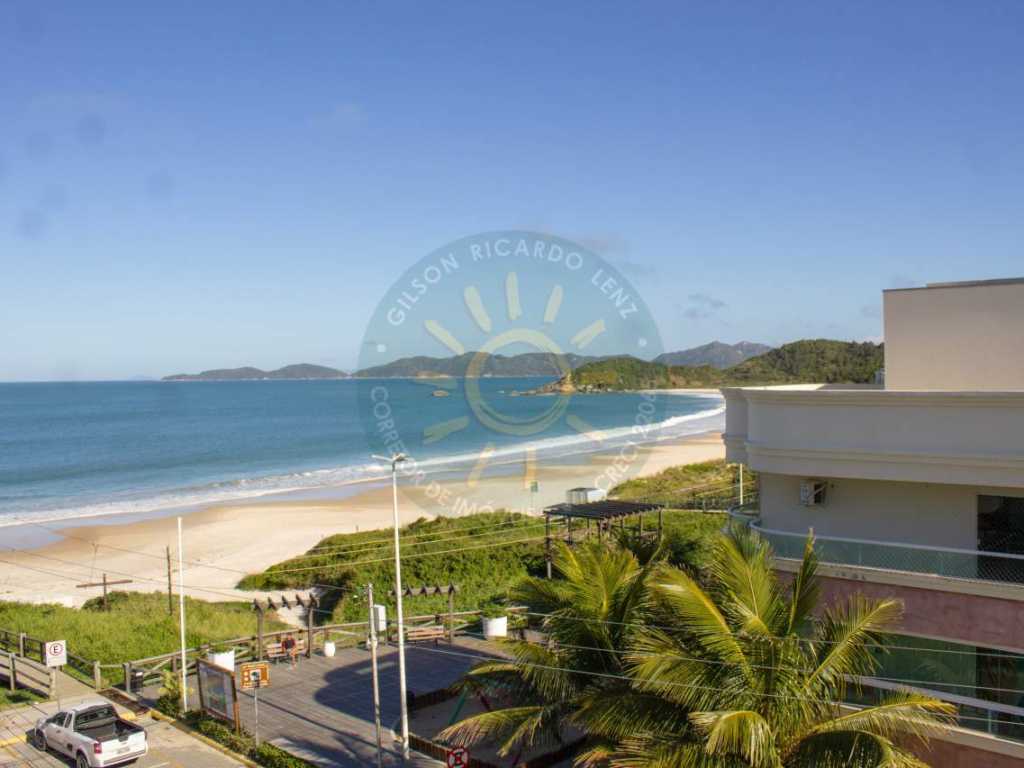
(170, 587)
(376, 682)
(181, 621)
(395, 461)
(104, 584)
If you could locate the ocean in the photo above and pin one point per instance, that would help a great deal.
(76, 450)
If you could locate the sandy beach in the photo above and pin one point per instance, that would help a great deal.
(224, 542)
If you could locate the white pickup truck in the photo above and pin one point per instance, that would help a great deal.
(92, 735)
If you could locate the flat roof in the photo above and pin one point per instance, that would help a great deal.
(961, 284)
(601, 510)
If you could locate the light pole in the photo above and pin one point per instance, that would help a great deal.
(181, 622)
(395, 460)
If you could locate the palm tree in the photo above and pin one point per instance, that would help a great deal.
(590, 612)
(741, 672)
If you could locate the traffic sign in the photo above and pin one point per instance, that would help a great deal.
(56, 653)
(255, 674)
(458, 757)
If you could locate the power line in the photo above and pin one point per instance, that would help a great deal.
(612, 675)
(713, 662)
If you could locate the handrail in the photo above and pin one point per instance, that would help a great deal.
(947, 562)
(894, 544)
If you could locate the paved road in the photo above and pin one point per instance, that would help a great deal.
(168, 747)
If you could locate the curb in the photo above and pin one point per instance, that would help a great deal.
(175, 723)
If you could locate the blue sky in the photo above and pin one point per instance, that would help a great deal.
(184, 186)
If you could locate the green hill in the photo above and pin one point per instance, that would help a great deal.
(810, 361)
(248, 373)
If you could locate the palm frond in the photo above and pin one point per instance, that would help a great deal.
(806, 589)
(904, 713)
(697, 612)
(851, 749)
(738, 733)
(844, 637)
(510, 728)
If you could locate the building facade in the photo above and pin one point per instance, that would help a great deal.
(915, 489)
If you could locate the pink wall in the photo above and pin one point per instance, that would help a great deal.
(987, 621)
(945, 754)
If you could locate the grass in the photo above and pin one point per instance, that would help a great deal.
(482, 571)
(136, 626)
(15, 698)
(713, 485)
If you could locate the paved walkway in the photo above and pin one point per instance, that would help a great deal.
(323, 709)
(168, 747)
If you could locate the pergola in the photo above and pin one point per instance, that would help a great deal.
(603, 514)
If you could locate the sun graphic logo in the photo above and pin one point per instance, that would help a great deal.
(467, 366)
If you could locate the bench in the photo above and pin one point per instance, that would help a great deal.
(276, 652)
(433, 632)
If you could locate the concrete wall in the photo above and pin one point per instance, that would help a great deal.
(925, 514)
(961, 337)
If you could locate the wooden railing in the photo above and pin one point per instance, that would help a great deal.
(21, 672)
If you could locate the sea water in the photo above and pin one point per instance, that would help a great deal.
(74, 450)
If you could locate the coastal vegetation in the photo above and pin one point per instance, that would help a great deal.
(711, 484)
(248, 373)
(137, 625)
(811, 361)
(731, 668)
(484, 554)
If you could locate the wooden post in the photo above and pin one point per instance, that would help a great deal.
(170, 585)
(641, 525)
(127, 669)
(21, 643)
(259, 634)
(310, 611)
(547, 542)
(105, 584)
(660, 527)
(97, 676)
(12, 669)
(451, 614)
(568, 530)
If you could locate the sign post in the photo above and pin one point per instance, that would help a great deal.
(458, 757)
(55, 654)
(255, 675)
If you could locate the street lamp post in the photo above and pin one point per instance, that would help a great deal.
(395, 460)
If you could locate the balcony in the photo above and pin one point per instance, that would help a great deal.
(889, 557)
(967, 438)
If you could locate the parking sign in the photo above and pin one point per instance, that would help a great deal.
(56, 653)
(458, 757)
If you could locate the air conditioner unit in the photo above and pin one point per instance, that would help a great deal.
(812, 492)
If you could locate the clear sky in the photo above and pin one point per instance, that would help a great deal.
(196, 185)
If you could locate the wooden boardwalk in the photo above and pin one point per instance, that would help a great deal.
(323, 709)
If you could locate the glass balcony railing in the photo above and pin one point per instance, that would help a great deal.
(889, 556)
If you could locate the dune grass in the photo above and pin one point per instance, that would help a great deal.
(493, 551)
(136, 626)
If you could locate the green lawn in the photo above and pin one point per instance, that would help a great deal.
(13, 699)
(136, 626)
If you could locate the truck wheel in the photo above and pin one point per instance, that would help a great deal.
(82, 761)
(39, 741)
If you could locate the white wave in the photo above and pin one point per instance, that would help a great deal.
(338, 477)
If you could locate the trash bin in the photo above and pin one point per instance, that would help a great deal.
(138, 681)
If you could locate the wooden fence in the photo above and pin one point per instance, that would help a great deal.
(21, 672)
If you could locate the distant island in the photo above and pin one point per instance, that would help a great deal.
(715, 355)
(810, 361)
(300, 371)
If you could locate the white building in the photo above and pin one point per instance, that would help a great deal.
(915, 489)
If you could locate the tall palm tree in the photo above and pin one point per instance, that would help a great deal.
(589, 612)
(742, 672)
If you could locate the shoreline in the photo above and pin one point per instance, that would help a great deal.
(225, 541)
